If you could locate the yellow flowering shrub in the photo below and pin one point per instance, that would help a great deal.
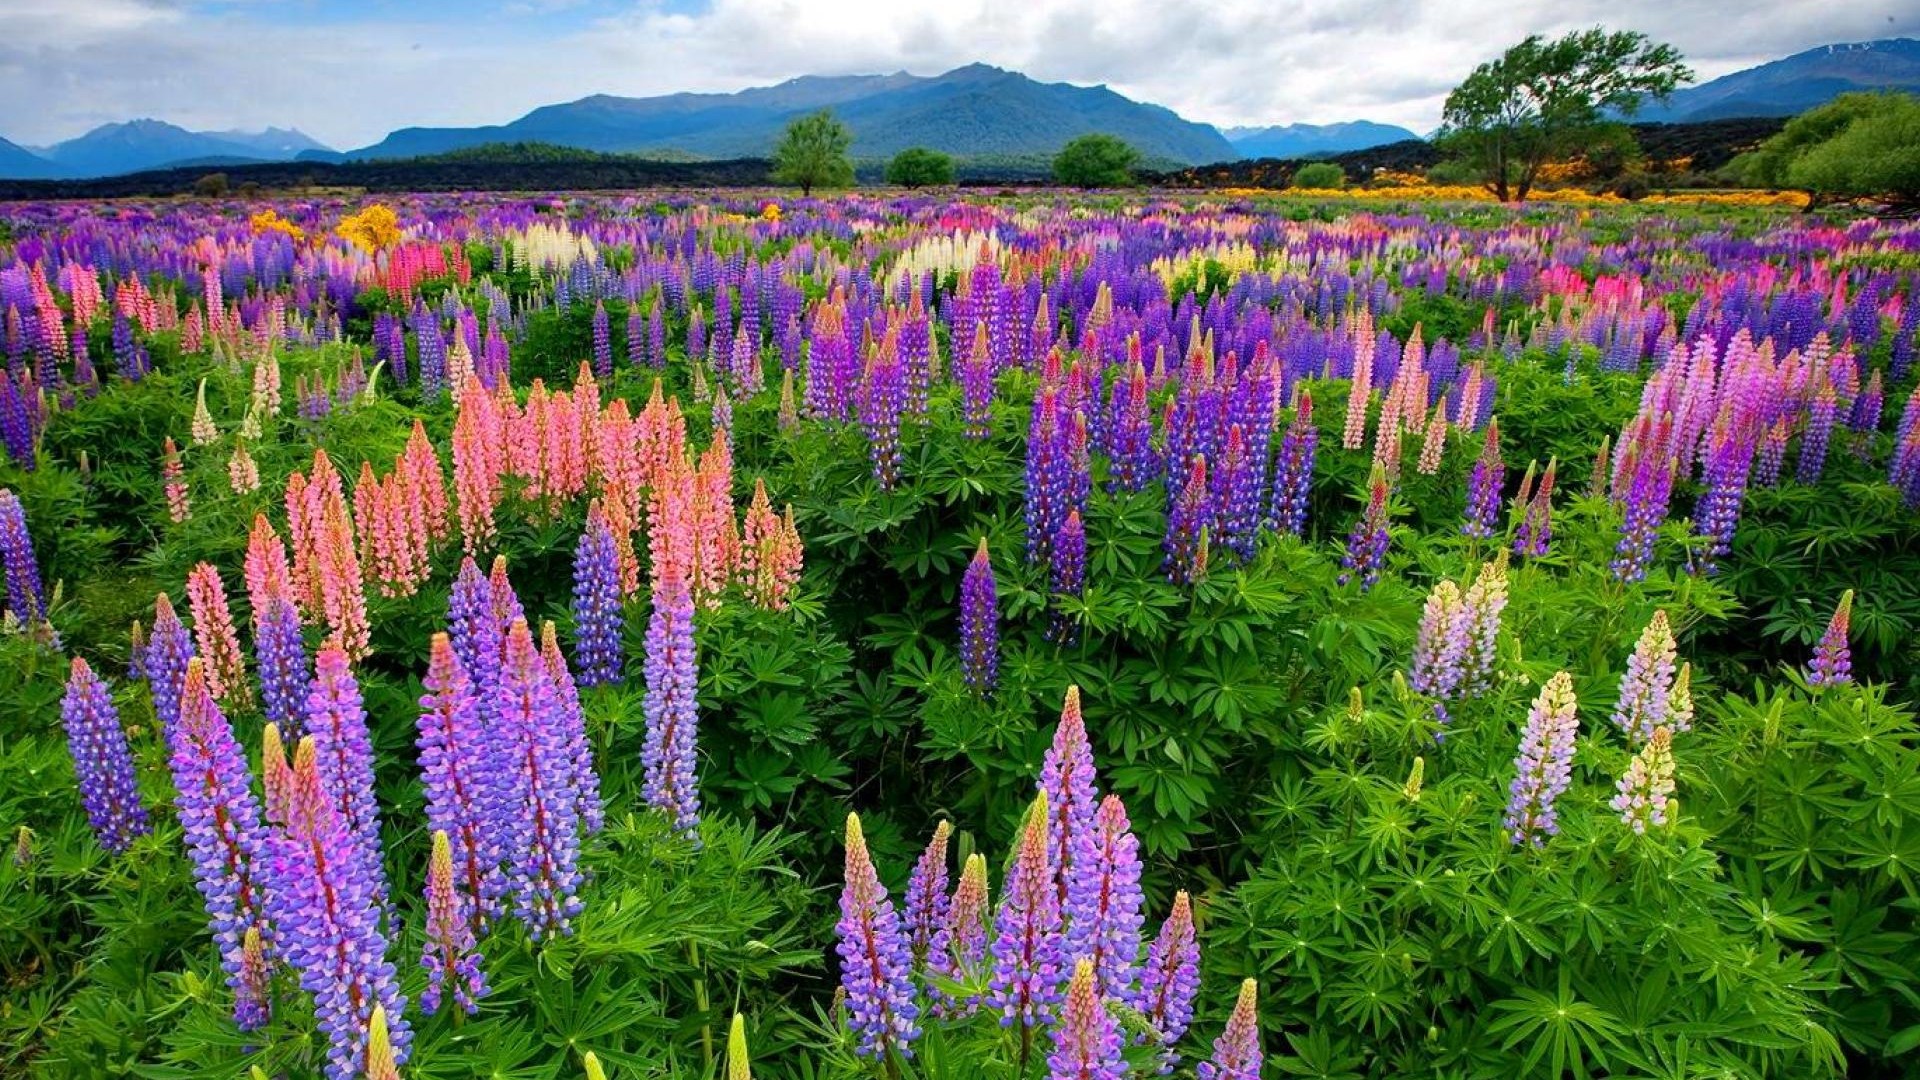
(373, 230)
(269, 220)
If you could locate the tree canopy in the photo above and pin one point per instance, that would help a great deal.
(1320, 175)
(1855, 146)
(813, 153)
(1096, 160)
(1543, 100)
(917, 166)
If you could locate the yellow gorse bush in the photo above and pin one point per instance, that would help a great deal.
(269, 220)
(373, 229)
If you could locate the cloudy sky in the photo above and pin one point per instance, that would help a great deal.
(349, 71)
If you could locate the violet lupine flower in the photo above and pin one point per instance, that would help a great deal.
(670, 755)
(541, 808)
(1717, 512)
(585, 780)
(974, 373)
(1368, 542)
(1440, 647)
(1103, 909)
(102, 763)
(475, 628)
(1484, 486)
(1086, 1041)
(1234, 492)
(1832, 658)
(1649, 486)
(883, 394)
(927, 899)
(281, 655)
(876, 962)
(1647, 686)
(169, 649)
(25, 596)
(1171, 977)
(1544, 766)
(1067, 576)
(597, 613)
(1817, 436)
(327, 915)
(459, 772)
(220, 824)
(1533, 535)
(959, 948)
(1646, 788)
(337, 721)
(602, 342)
(1068, 781)
(1026, 946)
(1188, 513)
(1293, 475)
(1236, 1053)
(979, 625)
(451, 958)
(1129, 442)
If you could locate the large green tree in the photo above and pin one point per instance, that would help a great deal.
(1096, 160)
(1543, 100)
(917, 166)
(813, 153)
(1855, 146)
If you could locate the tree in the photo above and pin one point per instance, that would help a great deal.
(1855, 146)
(813, 153)
(1545, 99)
(1096, 161)
(211, 186)
(1320, 175)
(917, 166)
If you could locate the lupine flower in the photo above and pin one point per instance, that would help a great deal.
(174, 483)
(883, 394)
(1368, 542)
(1086, 1041)
(541, 812)
(1832, 658)
(771, 552)
(1440, 647)
(1104, 902)
(927, 894)
(109, 785)
(1416, 777)
(1067, 575)
(215, 637)
(336, 720)
(876, 961)
(739, 1064)
(1026, 946)
(1533, 535)
(1544, 766)
(25, 596)
(1484, 486)
(597, 615)
(450, 956)
(602, 342)
(459, 768)
(1171, 977)
(169, 648)
(475, 631)
(1189, 511)
(670, 755)
(1486, 600)
(1647, 686)
(382, 1063)
(1067, 780)
(585, 780)
(1716, 513)
(327, 916)
(959, 948)
(137, 652)
(220, 822)
(979, 625)
(1293, 476)
(1814, 440)
(1236, 1053)
(1646, 788)
(243, 473)
(281, 655)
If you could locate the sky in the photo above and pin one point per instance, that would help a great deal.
(349, 71)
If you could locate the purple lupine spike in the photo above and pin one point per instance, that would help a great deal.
(1086, 1041)
(1068, 781)
(1047, 473)
(1188, 517)
(327, 913)
(1293, 476)
(475, 629)
(876, 962)
(959, 949)
(1025, 985)
(979, 625)
(1067, 576)
(927, 899)
(102, 763)
(636, 337)
(1440, 647)
(450, 958)
(585, 779)
(597, 615)
(1484, 487)
(336, 719)
(602, 342)
(281, 655)
(1544, 766)
(1832, 662)
(1236, 1053)
(1818, 434)
(1130, 434)
(1104, 901)
(220, 824)
(670, 756)
(26, 598)
(169, 649)
(1716, 513)
(882, 396)
(541, 810)
(1369, 541)
(1171, 978)
(1647, 686)
(1533, 536)
(459, 772)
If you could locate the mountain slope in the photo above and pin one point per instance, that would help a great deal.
(1294, 141)
(1796, 83)
(19, 163)
(112, 149)
(273, 144)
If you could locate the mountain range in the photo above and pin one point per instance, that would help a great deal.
(1296, 141)
(136, 145)
(1796, 83)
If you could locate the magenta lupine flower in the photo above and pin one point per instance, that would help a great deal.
(337, 720)
(327, 916)
(1819, 432)
(1647, 685)
(459, 772)
(220, 824)
(1104, 902)
(1293, 475)
(979, 625)
(102, 763)
(585, 780)
(1086, 1041)
(876, 962)
(1068, 781)
(670, 755)
(169, 648)
(281, 655)
(1544, 766)
(1171, 978)
(1236, 1053)
(450, 958)
(883, 394)
(541, 810)
(25, 596)
(597, 613)
(1026, 945)
(927, 900)
(1189, 511)
(1484, 487)
(1067, 576)
(959, 949)
(1832, 657)
(1368, 542)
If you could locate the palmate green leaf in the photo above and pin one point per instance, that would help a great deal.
(1562, 1031)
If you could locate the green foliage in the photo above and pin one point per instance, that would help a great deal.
(1320, 174)
(1855, 146)
(813, 153)
(1096, 160)
(917, 167)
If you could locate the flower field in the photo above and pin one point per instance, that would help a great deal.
(923, 637)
